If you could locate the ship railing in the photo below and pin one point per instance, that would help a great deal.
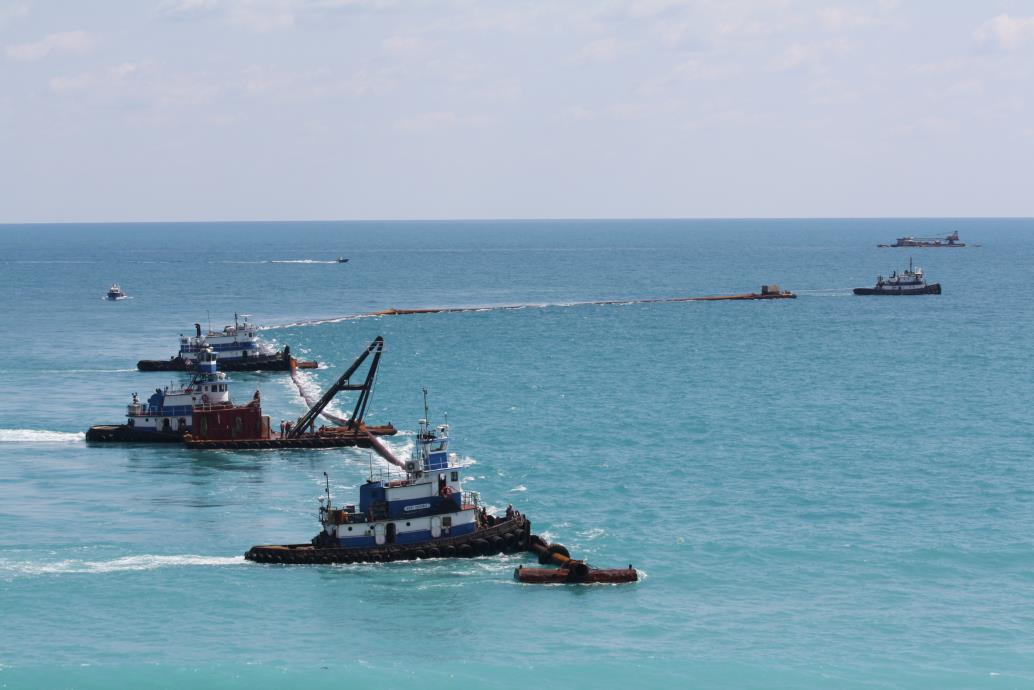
(471, 498)
(385, 475)
(211, 407)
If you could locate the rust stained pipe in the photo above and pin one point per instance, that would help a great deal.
(570, 570)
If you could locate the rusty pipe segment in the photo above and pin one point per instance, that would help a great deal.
(548, 576)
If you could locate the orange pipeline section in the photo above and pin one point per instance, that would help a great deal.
(764, 294)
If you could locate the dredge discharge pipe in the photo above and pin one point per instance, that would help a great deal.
(570, 570)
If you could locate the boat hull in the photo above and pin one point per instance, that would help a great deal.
(275, 362)
(507, 536)
(934, 289)
(123, 433)
(324, 438)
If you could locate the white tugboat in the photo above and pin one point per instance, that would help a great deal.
(910, 282)
(421, 512)
(237, 345)
(115, 293)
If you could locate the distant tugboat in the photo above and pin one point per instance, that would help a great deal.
(115, 292)
(951, 240)
(341, 260)
(910, 282)
(170, 414)
(422, 512)
(238, 348)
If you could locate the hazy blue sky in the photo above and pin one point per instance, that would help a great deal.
(320, 109)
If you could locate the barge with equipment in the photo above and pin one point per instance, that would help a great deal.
(237, 346)
(951, 240)
(202, 416)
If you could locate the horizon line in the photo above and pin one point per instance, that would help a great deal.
(543, 219)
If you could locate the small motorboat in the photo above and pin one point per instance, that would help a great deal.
(342, 260)
(910, 282)
(115, 292)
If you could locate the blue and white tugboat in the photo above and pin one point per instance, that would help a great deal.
(420, 511)
(170, 413)
(237, 345)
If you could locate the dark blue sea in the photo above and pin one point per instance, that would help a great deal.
(827, 492)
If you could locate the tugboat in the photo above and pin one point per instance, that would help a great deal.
(341, 260)
(951, 240)
(170, 414)
(421, 512)
(115, 292)
(238, 348)
(910, 282)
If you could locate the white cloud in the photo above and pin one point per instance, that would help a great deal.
(65, 42)
(576, 113)
(262, 17)
(602, 50)
(841, 18)
(427, 122)
(403, 45)
(11, 12)
(71, 83)
(1005, 31)
(966, 87)
(799, 55)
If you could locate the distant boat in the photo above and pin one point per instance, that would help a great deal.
(115, 292)
(342, 261)
(910, 282)
(951, 240)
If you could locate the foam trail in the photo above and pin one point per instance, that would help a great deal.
(124, 564)
(40, 436)
(301, 261)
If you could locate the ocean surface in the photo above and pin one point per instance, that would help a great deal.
(827, 492)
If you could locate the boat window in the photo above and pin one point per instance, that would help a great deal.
(446, 521)
(455, 476)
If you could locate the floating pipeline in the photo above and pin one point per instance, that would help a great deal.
(275, 362)
(767, 292)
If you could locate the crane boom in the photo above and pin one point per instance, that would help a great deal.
(342, 384)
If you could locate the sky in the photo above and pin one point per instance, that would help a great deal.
(180, 110)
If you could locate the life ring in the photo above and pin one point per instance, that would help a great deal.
(204, 398)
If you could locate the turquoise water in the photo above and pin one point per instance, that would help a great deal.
(832, 491)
